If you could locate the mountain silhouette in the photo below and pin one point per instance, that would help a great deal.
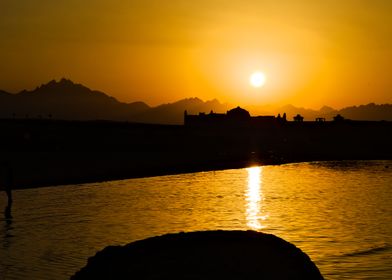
(67, 100)
(70, 101)
(326, 110)
(3, 93)
(172, 113)
(369, 112)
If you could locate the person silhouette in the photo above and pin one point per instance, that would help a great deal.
(8, 181)
(7, 212)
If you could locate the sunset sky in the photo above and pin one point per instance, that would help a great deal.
(313, 53)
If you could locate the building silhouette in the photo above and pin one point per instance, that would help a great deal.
(298, 118)
(241, 117)
(338, 118)
(236, 116)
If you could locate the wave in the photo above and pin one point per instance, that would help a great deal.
(368, 251)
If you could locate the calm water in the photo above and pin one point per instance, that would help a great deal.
(340, 213)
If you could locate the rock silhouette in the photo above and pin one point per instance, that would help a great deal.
(203, 255)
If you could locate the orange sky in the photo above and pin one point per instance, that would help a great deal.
(314, 53)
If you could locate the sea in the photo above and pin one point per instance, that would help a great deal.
(337, 212)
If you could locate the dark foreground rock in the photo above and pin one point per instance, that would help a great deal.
(202, 255)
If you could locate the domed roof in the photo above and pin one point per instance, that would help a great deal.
(238, 113)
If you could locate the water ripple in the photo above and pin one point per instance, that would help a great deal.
(340, 213)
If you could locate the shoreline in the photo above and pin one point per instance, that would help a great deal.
(184, 169)
(44, 153)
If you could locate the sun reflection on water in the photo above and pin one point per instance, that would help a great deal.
(254, 199)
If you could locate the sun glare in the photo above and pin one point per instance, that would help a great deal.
(257, 79)
(254, 198)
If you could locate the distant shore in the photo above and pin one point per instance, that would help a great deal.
(83, 178)
(51, 153)
(153, 172)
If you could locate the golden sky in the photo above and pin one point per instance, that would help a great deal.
(314, 53)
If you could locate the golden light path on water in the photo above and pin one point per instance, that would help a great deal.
(339, 213)
(254, 199)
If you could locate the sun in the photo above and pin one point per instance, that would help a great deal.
(257, 79)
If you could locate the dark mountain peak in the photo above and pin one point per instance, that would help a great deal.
(326, 109)
(194, 100)
(62, 85)
(65, 88)
(4, 93)
(370, 111)
(139, 103)
(137, 107)
(67, 83)
(64, 99)
(213, 102)
(289, 107)
(370, 106)
(195, 103)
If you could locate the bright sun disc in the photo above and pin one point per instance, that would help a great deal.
(257, 79)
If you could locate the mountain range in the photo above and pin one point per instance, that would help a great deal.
(67, 100)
